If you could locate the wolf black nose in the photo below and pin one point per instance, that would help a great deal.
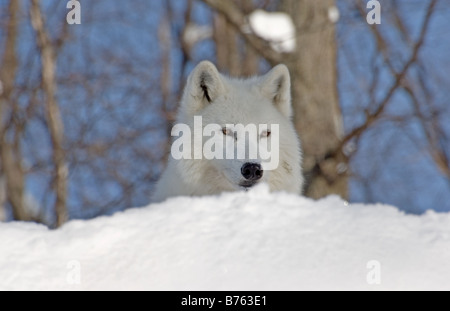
(252, 171)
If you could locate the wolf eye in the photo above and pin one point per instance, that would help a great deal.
(266, 133)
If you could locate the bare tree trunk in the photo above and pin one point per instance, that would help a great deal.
(54, 120)
(232, 57)
(251, 59)
(318, 117)
(11, 158)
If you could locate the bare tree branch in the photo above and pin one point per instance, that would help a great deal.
(432, 132)
(430, 129)
(399, 76)
(54, 120)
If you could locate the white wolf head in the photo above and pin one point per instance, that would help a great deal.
(226, 106)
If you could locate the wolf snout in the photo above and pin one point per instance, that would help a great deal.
(252, 171)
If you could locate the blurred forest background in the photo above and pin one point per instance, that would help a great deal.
(86, 110)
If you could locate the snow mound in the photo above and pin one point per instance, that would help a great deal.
(240, 241)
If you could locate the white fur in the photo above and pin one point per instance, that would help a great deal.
(223, 100)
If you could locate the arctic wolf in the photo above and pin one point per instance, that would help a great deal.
(222, 103)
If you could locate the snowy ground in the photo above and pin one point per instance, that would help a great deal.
(242, 241)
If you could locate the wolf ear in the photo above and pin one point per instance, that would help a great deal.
(276, 86)
(204, 86)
